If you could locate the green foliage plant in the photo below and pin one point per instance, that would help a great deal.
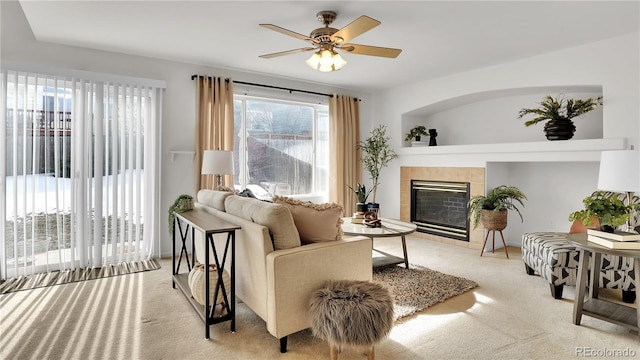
(376, 154)
(361, 193)
(609, 210)
(502, 197)
(183, 203)
(559, 108)
(417, 130)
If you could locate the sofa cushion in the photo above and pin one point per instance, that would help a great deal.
(213, 198)
(315, 222)
(274, 216)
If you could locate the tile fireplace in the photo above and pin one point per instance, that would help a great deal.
(471, 179)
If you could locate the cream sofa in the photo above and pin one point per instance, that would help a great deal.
(275, 274)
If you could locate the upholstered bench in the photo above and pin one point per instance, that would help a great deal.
(551, 255)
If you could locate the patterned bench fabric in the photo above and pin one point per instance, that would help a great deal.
(551, 256)
(552, 248)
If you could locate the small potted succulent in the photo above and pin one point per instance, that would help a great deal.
(416, 133)
(362, 194)
(558, 112)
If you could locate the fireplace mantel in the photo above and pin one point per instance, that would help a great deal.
(567, 150)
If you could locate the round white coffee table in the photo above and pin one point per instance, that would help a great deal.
(389, 228)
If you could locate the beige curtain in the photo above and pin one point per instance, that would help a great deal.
(345, 164)
(214, 127)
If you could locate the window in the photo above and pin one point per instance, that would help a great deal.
(281, 147)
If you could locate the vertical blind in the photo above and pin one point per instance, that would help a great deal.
(80, 173)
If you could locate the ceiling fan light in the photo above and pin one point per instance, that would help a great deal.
(326, 58)
(338, 61)
(314, 61)
(326, 61)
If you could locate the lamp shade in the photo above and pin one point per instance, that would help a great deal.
(217, 162)
(619, 171)
(326, 60)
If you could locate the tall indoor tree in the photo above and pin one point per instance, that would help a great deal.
(376, 154)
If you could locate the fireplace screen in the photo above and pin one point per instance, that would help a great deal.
(440, 208)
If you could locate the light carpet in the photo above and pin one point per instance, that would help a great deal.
(73, 275)
(418, 287)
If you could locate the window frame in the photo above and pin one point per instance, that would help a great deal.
(242, 173)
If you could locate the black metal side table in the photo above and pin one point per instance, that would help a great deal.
(207, 224)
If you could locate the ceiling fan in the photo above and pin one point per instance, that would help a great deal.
(326, 40)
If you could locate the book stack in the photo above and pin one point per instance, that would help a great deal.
(357, 218)
(615, 240)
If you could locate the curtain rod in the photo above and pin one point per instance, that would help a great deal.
(193, 77)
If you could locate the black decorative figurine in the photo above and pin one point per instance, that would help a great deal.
(432, 137)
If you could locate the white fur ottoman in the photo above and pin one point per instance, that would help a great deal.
(351, 313)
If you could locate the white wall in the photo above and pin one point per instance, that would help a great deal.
(178, 127)
(611, 64)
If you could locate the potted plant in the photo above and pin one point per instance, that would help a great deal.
(183, 203)
(558, 113)
(492, 209)
(610, 211)
(362, 194)
(377, 153)
(415, 133)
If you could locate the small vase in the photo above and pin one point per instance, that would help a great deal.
(432, 137)
(374, 207)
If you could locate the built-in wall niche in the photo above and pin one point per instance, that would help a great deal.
(492, 117)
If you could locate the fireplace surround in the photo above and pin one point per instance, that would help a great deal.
(475, 176)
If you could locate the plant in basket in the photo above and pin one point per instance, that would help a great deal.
(183, 203)
(491, 209)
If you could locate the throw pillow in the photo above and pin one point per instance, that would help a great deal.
(213, 198)
(276, 217)
(315, 222)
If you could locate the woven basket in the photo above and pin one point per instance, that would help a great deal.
(184, 205)
(494, 220)
(196, 284)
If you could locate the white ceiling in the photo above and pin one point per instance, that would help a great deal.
(437, 37)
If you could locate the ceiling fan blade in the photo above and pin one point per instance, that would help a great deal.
(371, 50)
(288, 52)
(355, 28)
(288, 32)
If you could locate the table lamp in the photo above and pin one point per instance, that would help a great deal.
(218, 163)
(620, 172)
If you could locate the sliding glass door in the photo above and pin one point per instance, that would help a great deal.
(78, 173)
